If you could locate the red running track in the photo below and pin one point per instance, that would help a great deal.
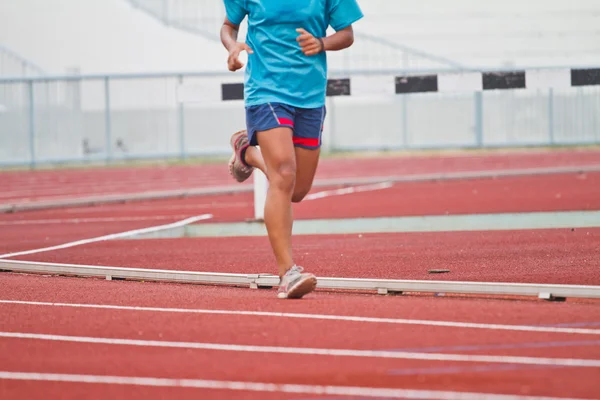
(125, 360)
(504, 195)
(26, 186)
(568, 192)
(557, 256)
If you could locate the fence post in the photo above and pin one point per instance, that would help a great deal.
(405, 66)
(181, 112)
(478, 119)
(551, 115)
(405, 139)
(32, 153)
(107, 120)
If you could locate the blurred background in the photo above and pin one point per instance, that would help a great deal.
(105, 81)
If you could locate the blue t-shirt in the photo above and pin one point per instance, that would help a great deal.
(278, 71)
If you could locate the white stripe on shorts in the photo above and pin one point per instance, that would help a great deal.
(274, 113)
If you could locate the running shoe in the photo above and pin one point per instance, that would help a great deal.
(296, 284)
(238, 168)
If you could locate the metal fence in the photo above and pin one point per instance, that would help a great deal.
(121, 117)
(12, 64)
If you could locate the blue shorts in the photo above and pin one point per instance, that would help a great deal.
(306, 123)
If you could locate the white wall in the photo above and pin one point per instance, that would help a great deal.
(492, 32)
(101, 36)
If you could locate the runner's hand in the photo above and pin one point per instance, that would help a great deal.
(233, 61)
(310, 44)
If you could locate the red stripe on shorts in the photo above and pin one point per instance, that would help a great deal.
(285, 121)
(311, 142)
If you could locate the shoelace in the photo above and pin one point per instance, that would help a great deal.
(297, 269)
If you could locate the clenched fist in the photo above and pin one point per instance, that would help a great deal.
(310, 44)
(233, 61)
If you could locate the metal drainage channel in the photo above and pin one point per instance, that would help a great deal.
(381, 286)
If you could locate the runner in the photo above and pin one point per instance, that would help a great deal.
(285, 90)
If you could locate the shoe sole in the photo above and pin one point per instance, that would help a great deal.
(233, 156)
(231, 163)
(302, 288)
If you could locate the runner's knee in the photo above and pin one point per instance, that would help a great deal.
(283, 176)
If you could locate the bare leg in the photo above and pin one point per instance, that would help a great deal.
(255, 159)
(307, 162)
(280, 160)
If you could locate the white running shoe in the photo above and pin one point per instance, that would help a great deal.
(296, 284)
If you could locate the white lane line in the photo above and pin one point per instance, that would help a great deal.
(450, 324)
(354, 391)
(89, 219)
(566, 362)
(349, 190)
(54, 188)
(313, 196)
(112, 236)
(156, 206)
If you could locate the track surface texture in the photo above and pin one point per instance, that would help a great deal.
(177, 327)
(544, 256)
(28, 186)
(159, 340)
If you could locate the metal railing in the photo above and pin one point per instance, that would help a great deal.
(12, 64)
(136, 116)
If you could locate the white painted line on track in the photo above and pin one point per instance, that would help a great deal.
(89, 219)
(354, 391)
(313, 196)
(52, 189)
(448, 324)
(157, 206)
(349, 190)
(112, 236)
(403, 355)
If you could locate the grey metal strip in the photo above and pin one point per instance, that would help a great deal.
(128, 273)
(268, 280)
